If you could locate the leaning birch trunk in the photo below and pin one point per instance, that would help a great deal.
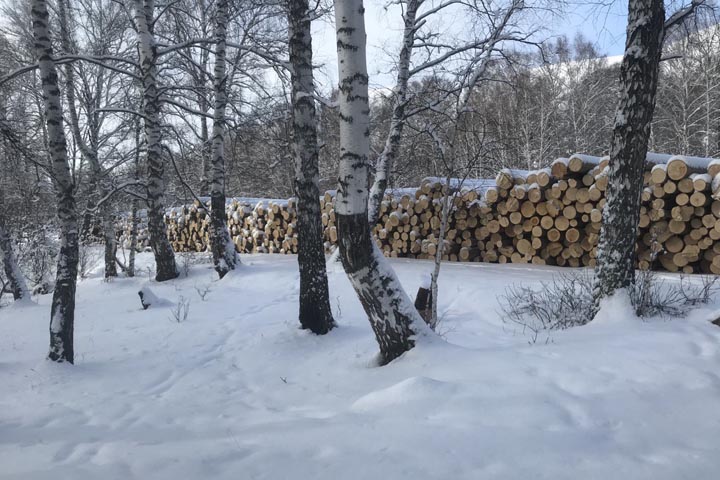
(62, 313)
(638, 81)
(166, 268)
(314, 311)
(397, 123)
(10, 265)
(89, 150)
(223, 249)
(392, 315)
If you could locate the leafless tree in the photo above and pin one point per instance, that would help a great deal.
(144, 19)
(15, 277)
(62, 315)
(223, 249)
(492, 27)
(390, 311)
(315, 313)
(639, 71)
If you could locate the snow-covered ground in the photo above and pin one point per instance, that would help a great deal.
(237, 391)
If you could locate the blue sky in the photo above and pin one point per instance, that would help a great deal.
(602, 24)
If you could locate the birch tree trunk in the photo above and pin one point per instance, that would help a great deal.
(315, 313)
(134, 218)
(10, 266)
(62, 313)
(391, 149)
(223, 249)
(166, 268)
(638, 82)
(392, 315)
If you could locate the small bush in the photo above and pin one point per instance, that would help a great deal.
(181, 310)
(89, 258)
(567, 300)
(37, 255)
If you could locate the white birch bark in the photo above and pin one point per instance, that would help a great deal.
(223, 249)
(143, 17)
(14, 275)
(392, 315)
(134, 218)
(62, 314)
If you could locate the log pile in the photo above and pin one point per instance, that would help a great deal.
(255, 225)
(553, 216)
(550, 216)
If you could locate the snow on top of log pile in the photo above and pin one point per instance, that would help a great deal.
(399, 192)
(585, 158)
(656, 159)
(696, 163)
(480, 185)
(252, 201)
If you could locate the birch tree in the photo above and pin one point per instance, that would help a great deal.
(315, 313)
(90, 148)
(223, 249)
(62, 314)
(390, 311)
(456, 125)
(435, 50)
(387, 157)
(144, 19)
(15, 277)
(638, 82)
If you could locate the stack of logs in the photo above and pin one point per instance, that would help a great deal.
(255, 225)
(553, 216)
(550, 216)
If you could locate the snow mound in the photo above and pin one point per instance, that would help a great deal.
(421, 391)
(149, 299)
(614, 310)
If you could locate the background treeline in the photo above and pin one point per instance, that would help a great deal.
(537, 108)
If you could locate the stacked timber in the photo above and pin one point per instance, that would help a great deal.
(547, 217)
(410, 221)
(550, 216)
(553, 216)
(255, 226)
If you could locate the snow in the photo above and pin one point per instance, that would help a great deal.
(480, 185)
(563, 161)
(591, 159)
(657, 159)
(699, 163)
(614, 309)
(238, 391)
(149, 299)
